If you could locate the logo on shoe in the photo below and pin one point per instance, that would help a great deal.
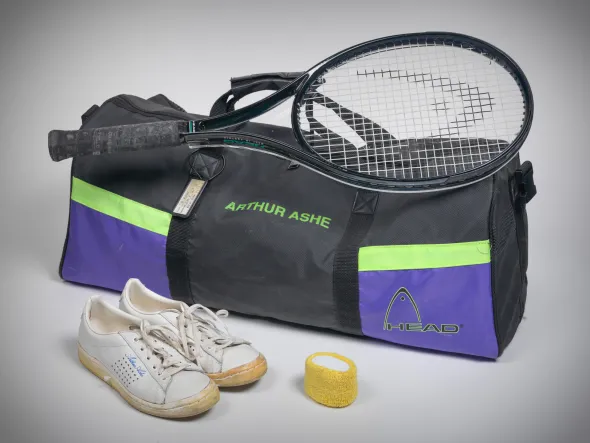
(404, 309)
(133, 361)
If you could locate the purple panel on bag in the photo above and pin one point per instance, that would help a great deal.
(104, 251)
(447, 309)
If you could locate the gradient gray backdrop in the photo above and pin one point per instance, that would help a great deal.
(57, 58)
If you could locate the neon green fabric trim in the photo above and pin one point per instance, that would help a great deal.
(400, 257)
(121, 208)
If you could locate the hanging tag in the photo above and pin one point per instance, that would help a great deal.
(186, 203)
(205, 165)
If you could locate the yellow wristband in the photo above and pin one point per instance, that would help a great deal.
(330, 379)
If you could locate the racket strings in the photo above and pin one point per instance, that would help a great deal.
(416, 110)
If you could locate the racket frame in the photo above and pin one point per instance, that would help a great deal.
(493, 53)
(302, 84)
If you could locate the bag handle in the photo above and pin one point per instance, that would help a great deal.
(245, 85)
(248, 84)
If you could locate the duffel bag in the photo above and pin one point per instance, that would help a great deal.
(441, 270)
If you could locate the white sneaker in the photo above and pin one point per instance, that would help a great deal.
(228, 360)
(137, 360)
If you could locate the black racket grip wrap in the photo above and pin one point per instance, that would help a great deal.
(112, 139)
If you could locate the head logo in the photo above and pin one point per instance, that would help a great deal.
(403, 314)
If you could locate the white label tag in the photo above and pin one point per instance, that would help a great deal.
(189, 197)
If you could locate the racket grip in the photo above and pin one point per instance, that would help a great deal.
(68, 144)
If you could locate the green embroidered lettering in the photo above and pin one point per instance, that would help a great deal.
(315, 219)
(280, 211)
(277, 210)
(325, 223)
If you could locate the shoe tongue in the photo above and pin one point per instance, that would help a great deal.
(172, 317)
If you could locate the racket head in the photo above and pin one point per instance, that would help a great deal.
(383, 124)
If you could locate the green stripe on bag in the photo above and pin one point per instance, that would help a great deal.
(121, 208)
(403, 257)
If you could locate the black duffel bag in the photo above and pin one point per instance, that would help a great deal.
(440, 270)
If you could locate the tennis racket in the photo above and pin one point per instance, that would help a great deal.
(412, 112)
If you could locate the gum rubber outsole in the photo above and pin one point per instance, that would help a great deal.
(187, 407)
(242, 375)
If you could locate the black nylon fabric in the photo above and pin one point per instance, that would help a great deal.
(150, 177)
(456, 215)
(256, 261)
(508, 273)
(177, 260)
(345, 279)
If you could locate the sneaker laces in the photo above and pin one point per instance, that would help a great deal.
(206, 327)
(172, 363)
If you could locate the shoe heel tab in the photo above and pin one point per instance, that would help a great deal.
(138, 298)
(111, 315)
(87, 311)
(133, 284)
(85, 329)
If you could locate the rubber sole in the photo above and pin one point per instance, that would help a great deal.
(242, 375)
(187, 407)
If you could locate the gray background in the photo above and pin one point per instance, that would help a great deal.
(57, 58)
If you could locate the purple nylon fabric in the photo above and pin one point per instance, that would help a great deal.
(104, 251)
(460, 296)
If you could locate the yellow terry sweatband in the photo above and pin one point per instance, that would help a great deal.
(330, 379)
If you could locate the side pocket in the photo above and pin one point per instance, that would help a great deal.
(435, 296)
(112, 238)
(524, 190)
(520, 217)
(508, 234)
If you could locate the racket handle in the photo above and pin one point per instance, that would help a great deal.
(68, 144)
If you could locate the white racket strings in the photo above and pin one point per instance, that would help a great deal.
(413, 111)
